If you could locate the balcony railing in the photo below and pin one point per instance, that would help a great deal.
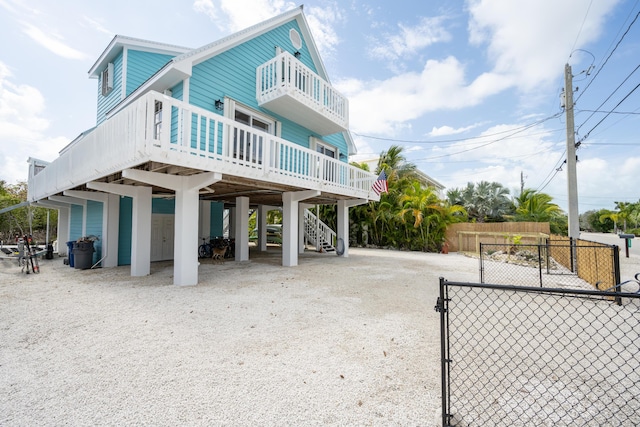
(163, 129)
(288, 87)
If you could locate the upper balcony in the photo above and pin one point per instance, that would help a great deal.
(287, 87)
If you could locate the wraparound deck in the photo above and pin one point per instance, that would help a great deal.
(162, 134)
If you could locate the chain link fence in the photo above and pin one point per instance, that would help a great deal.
(570, 265)
(531, 356)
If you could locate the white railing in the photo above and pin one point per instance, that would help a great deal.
(164, 129)
(286, 74)
(317, 231)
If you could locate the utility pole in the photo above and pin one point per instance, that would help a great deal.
(572, 180)
(521, 182)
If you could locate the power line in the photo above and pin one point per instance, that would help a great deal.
(608, 114)
(557, 168)
(609, 111)
(609, 97)
(581, 26)
(440, 141)
(610, 54)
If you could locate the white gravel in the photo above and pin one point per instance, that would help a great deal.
(334, 341)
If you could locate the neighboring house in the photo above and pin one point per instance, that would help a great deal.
(184, 136)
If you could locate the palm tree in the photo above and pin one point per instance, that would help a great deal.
(483, 201)
(537, 207)
(613, 216)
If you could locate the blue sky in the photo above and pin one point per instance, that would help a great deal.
(470, 89)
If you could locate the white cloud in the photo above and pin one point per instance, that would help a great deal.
(382, 107)
(530, 41)
(52, 42)
(409, 39)
(207, 8)
(236, 15)
(448, 130)
(22, 128)
(322, 23)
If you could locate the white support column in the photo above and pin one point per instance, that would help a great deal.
(242, 229)
(140, 223)
(301, 208)
(63, 223)
(343, 222)
(64, 218)
(290, 216)
(261, 222)
(110, 222)
(185, 265)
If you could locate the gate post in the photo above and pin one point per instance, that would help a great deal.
(442, 308)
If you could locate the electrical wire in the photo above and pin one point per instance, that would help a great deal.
(557, 168)
(609, 97)
(524, 127)
(600, 67)
(608, 114)
(581, 26)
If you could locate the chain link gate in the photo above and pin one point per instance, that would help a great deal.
(530, 356)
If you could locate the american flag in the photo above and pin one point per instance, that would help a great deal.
(380, 186)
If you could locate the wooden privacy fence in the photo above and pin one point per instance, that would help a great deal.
(467, 237)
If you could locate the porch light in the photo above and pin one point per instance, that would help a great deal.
(296, 54)
(219, 104)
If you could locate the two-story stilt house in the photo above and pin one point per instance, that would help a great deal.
(184, 135)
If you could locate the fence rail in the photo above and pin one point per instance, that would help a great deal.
(514, 355)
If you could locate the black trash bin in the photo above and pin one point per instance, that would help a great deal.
(83, 254)
(49, 254)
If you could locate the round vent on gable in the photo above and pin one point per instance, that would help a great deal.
(295, 38)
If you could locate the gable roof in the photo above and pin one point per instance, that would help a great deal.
(180, 67)
(119, 42)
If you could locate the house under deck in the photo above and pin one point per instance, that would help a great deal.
(159, 146)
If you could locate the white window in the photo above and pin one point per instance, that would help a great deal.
(329, 168)
(157, 119)
(107, 79)
(248, 145)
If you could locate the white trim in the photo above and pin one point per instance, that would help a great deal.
(145, 45)
(185, 89)
(125, 60)
(315, 142)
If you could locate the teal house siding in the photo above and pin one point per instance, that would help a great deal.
(76, 216)
(233, 73)
(216, 219)
(124, 231)
(178, 91)
(94, 227)
(163, 206)
(141, 66)
(106, 103)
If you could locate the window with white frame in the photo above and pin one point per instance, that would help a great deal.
(106, 78)
(248, 145)
(328, 168)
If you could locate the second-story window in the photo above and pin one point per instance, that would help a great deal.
(107, 79)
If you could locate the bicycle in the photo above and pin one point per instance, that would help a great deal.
(205, 250)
